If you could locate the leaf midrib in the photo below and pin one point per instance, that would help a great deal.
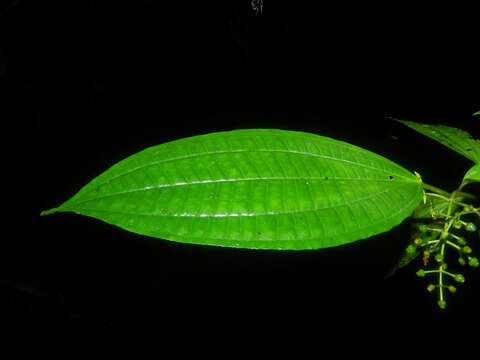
(147, 188)
(345, 203)
(373, 223)
(191, 156)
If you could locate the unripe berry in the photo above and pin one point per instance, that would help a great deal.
(442, 304)
(423, 228)
(411, 249)
(439, 257)
(473, 261)
(430, 287)
(461, 241)
(457, 225)
(470, 227)
(467, 249)
(417, 241)
(452, 288)
(420, 273)
(461, 261)
(459, 278)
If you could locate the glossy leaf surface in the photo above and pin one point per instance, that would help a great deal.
(458, 140)
(260, 188)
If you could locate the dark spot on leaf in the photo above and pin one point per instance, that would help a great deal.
(468, 149)
(326, 177)
(390, 177)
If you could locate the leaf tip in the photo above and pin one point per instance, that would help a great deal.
(48, 212)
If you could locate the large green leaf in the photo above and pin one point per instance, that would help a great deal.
(261, 188)
(458, 140)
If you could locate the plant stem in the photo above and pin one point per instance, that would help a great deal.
(435, 189)
(446, 193)
(440, 274)
(453, 245)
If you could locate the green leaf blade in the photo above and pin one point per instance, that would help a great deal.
(457, 140)
(473, 174)
(264, 189)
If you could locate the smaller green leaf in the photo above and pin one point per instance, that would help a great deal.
(473, 174)
(458, 140)
(477, 113)
(405, 259)
(412, 251)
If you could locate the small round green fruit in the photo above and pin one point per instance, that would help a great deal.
(411, 249)
(457, 225)
(470, 227)
(421, 273)
(473, 261)
(438, 257)
(467, 249)
(442, 304)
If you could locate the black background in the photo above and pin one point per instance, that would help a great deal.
(88, 83)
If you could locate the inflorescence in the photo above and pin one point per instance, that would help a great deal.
(441, 234)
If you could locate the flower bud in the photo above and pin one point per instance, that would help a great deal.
(430, 287)
(470, 227)
(461, 261)
(452, 288)
(459, 278)
(442, 304)
(457, 224)
(461, 241)
(473, 261)
(421, 273)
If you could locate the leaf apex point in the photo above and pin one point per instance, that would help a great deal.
(48, 212)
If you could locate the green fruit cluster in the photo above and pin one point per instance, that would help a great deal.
(432, 240)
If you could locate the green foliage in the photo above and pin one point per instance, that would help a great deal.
(473, 174)
(442, 215)
(277, 189)
(458, 140)
(263, 189)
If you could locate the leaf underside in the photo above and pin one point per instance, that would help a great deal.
(260, 188)
(458, 140)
